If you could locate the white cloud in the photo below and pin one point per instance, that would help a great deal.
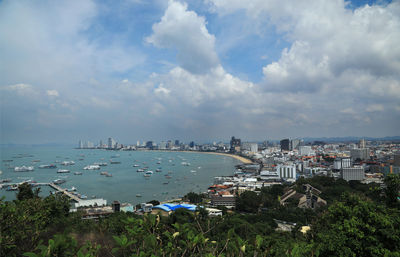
(52, 93)
(186, 31)
(375, 108)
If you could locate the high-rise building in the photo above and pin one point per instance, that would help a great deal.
(176, 142)
(235, 145)
(149, 144)
(285, 145)
(360, 153)
(353, 173)
(362, 143)
(295, 143)
(80, 144)
(111, 143)
(191, 144)
(305, 150)
(341, 163)
(286, 171)
(163, 145)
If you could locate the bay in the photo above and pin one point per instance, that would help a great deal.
(126, 184)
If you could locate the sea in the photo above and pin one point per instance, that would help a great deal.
(181, 172)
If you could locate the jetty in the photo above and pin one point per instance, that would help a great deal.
(64, 191)
(52, 185)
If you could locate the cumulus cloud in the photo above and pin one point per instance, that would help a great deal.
(52, 93)
(185, 31)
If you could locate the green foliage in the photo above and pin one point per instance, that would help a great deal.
(392, 191)
(248, 201)
(356, 226)
(193, 197)
(353, 225)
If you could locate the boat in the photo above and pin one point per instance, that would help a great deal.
(138, 195)
(6, 180)
(71, 189)
(168, 177)
(158, 162)
(149, 172)
(193, 171)
(108, 175)
(185, 163)
(92, 167)
(8, 160)
(158, 170)
(36, 161)
(63, 171)
(77, 173)
(135, 165)
(101, 163)
(24, 168)
(12, 188)
(115, 156)
(67, 163)
(103, 173)
(59, 181)
(166, 183)
(83, 197)
(114, 162)
(48, 166)
(140, 170)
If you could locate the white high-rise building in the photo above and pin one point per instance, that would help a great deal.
(80, 144)
(286, 171)
(353, 173)
(111, 143)
(305, 150)
(341, 163)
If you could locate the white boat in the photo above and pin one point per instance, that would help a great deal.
(24, 168)
(67, 163)
(71, 189)
(48, 166)
(100, 163)
(193, 171)
(135, 165)
(77, 173)
(149, 172)
(62, 171)
(138, 195)
(92, 167)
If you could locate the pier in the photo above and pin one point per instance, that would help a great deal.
(64, 191)
(52, 185)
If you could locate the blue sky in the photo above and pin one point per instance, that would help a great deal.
(198, 70)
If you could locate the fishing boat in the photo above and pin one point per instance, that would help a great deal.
(24, 168)
(67, 163)
(71, 189)
(100, 163)
(92, 167)
(63, 171)
(59, 181)
(48, 166)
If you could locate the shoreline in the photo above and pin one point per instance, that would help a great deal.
(237, 157)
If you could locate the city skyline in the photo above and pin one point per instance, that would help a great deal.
(198, 70)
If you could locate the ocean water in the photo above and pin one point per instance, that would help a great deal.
(126, 183)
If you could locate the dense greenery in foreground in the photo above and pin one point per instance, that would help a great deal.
(360, 220)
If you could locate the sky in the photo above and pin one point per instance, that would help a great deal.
(198, 70)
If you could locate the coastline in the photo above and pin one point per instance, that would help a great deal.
(237, 157)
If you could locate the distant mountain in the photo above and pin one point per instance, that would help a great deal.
(350, 139)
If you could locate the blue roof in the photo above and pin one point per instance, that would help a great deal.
(172, 207)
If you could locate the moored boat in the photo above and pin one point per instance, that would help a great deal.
(24, 168)
(63, 171)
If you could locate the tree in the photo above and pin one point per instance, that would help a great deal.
(392, 182)
(194, 198)
(356, 226)
(248, 201)
(25, 192)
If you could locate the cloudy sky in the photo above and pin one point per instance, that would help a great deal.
(198, 70)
